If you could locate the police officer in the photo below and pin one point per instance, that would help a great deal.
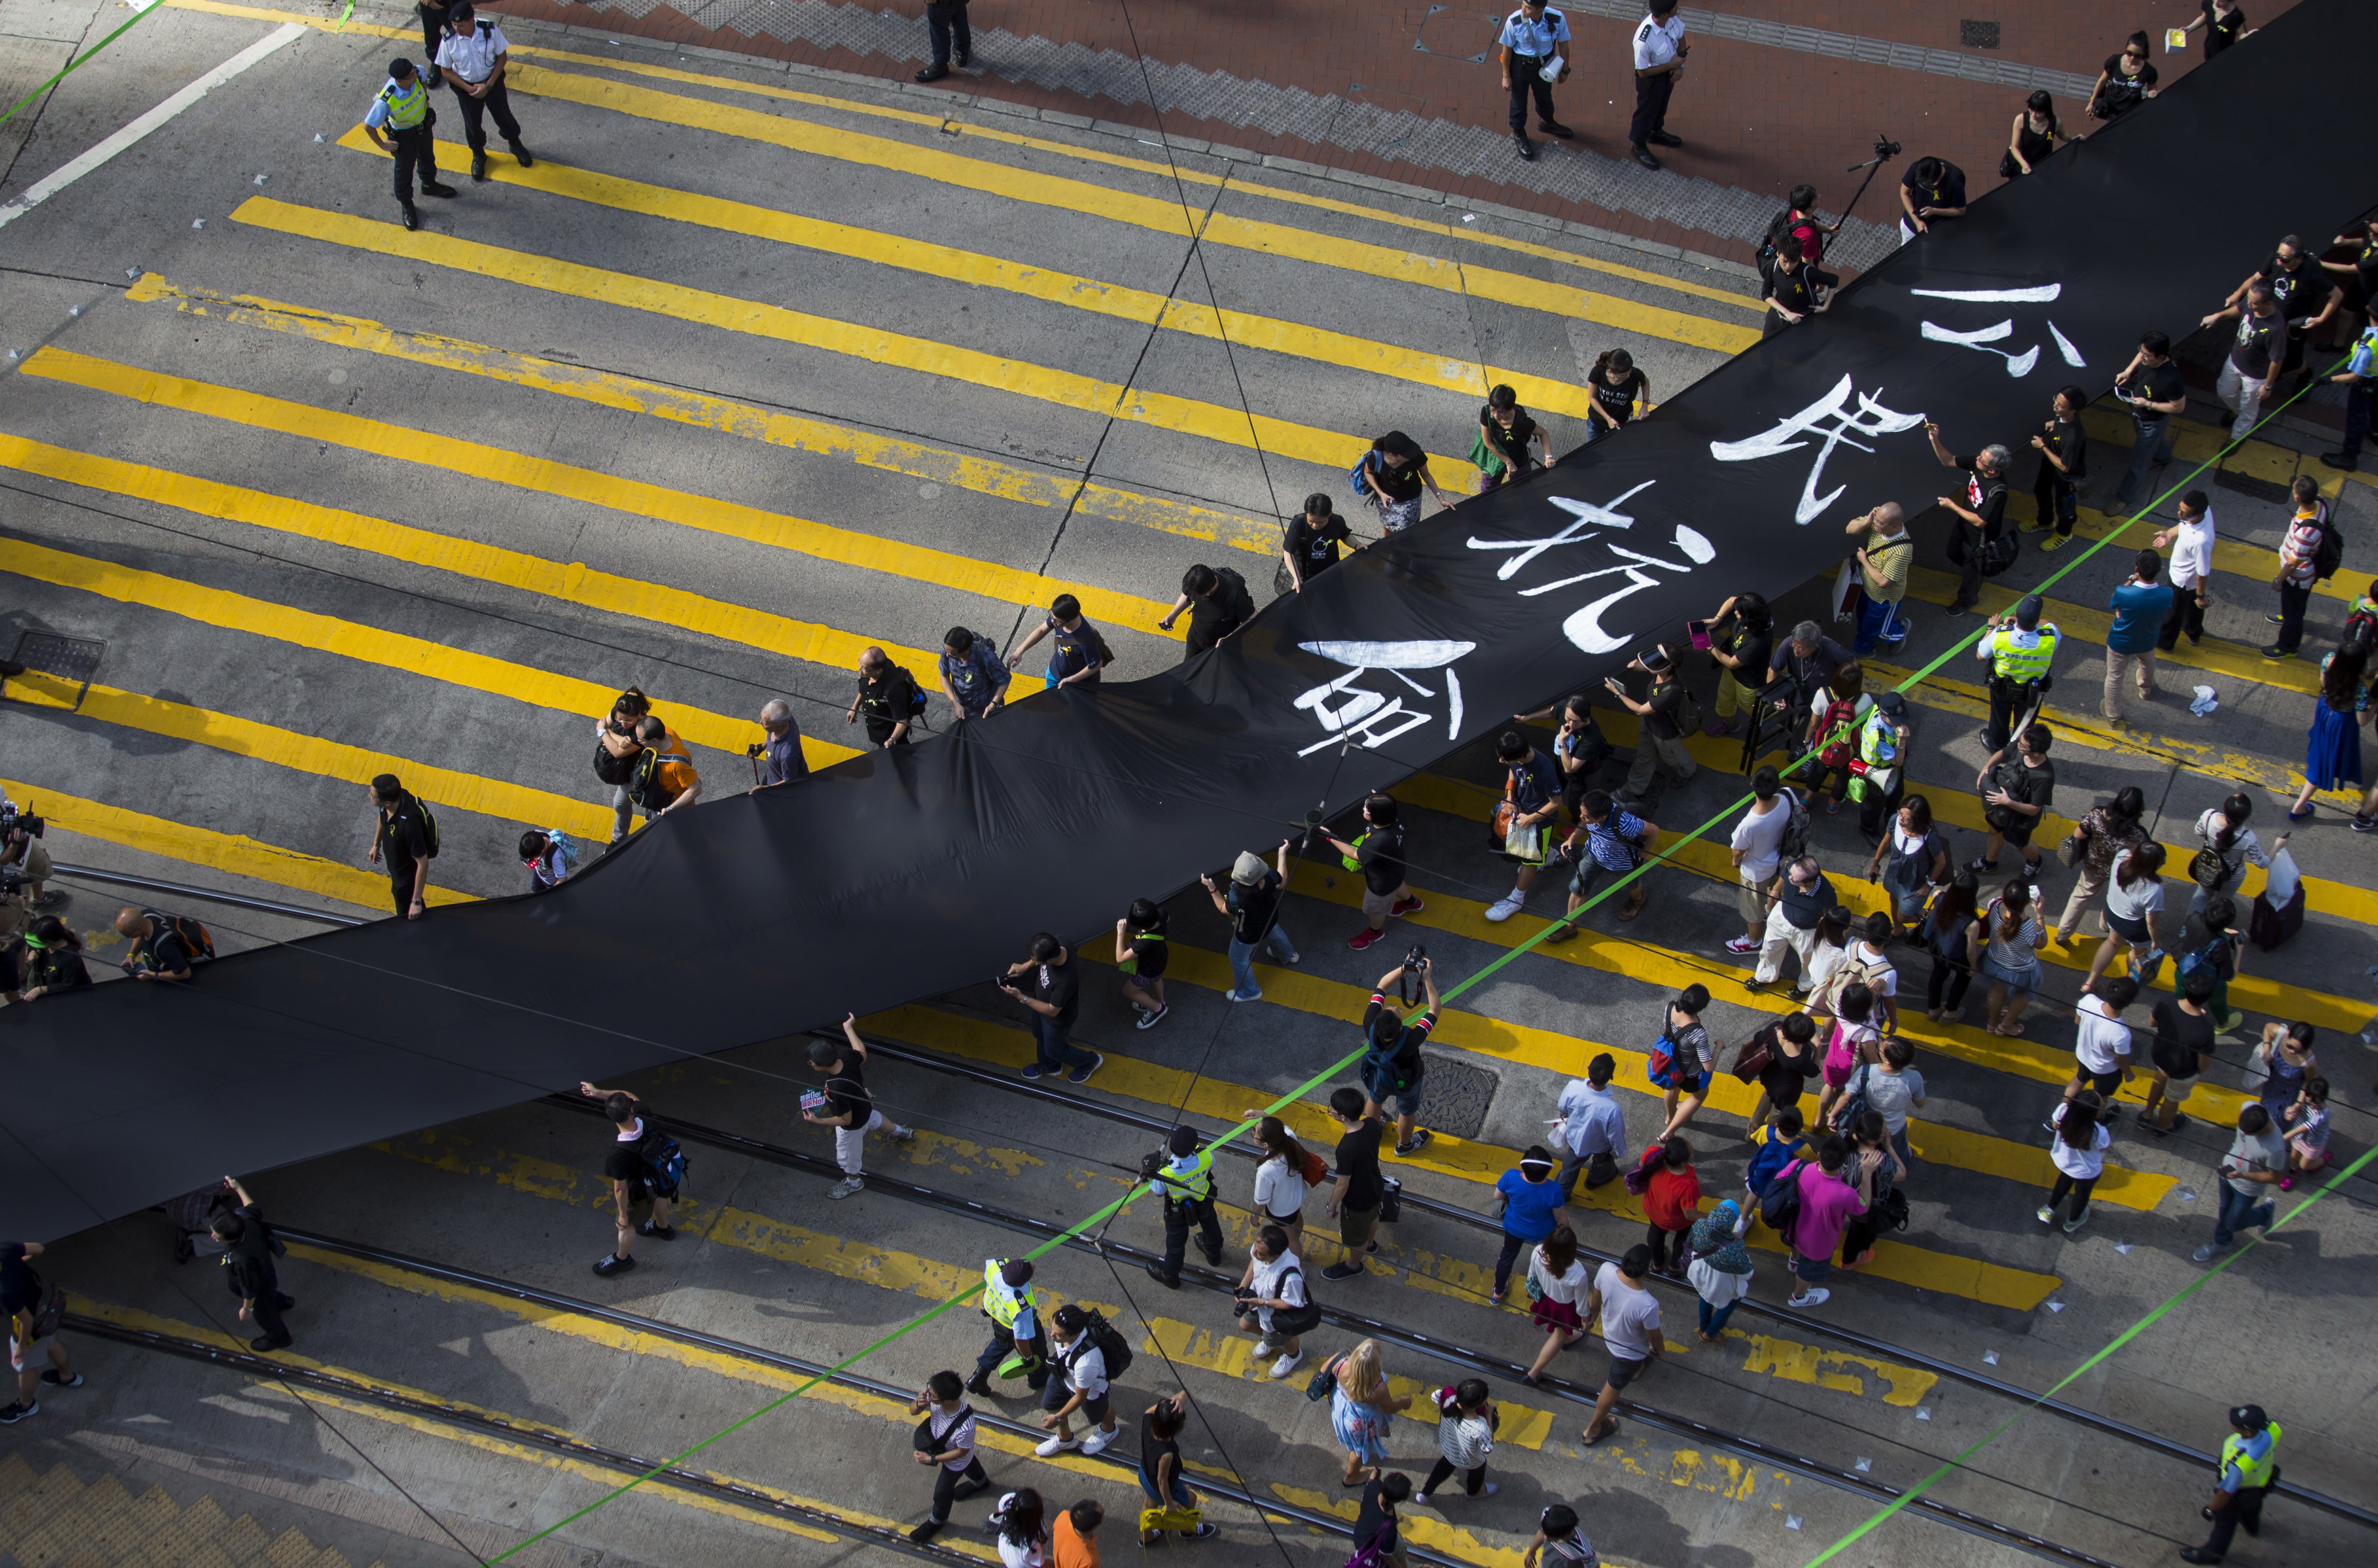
(403, 107)
(1534, 37)
(1660, 51)
(2019, 651)
(472, 58)
(2245, 1474)
(433, 33)
(1185, 1183)
(1882, 745)
(1014, 1326)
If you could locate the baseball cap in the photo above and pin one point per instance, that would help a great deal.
(2250, 1416)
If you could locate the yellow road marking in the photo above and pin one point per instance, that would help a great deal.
(2232, 659)
(443, 788)
(1935, 1143)
(235, 853)
(1972, 1278)
(2229, 554)
(634, 496)
(1457, 798)
(437, 660)
(134, 1319)
(1158, 215)
(1641, 960)
(1144, 307)
(704, 410)
(2193, 441)
(1065, 388)
(1237, 181)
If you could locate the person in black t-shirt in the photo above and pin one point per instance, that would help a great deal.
(1981, 514)
(1375, 1521)
(2185, 1028)
(1055, 1001)
(400, 841)
(2150, 388)
(1379, 853)
(1251, 906)
(636, 1137)
(1617, 389)
(44, 960)
(1143, 951)
(1933, 189)
(849, 1109)
(2308, 300)
(29, 1339)
(2125, 81)
(1391, 477)
(2063, 463)
(1311, 546)
(2224, 24)
(1217, 603)
(1660, 744)
(887, 698)
(1792, 289)
(1354, 1201)
(248, 1268)
(158, 951)
(1511, 438)
(1393, 1067)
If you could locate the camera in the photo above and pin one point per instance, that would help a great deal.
(1417, 958)
(1885, 147)
(13, 821)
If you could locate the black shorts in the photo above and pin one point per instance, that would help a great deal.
(2019, 831)
(1624, 1370)
(2106, 1084)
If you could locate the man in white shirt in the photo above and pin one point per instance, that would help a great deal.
(1660, 51)
(1274, 1283)
(1593, 1127)
(1083, 1387)
(1758, 856)
(1535, 40)
(472, 58)
(2189, 569)
(1630, 1327)
(2102, 1043)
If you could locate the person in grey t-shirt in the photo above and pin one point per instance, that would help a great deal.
(2249, 1176)
(1894, 1089)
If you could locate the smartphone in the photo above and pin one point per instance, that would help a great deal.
(1700, 632)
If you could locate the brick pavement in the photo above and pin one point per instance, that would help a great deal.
(1391, 89)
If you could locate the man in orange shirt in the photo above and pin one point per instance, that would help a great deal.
(1072, 1538)
(661, 782)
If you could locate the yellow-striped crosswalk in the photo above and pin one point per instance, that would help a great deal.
(635, 496)
(676, 302)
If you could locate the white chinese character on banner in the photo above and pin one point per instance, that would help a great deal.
(1349, 711)
(1584, 627)
(1585, 515)
(2017, 364)
(1869, 419)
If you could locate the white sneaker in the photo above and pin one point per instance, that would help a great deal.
(1813, 1298)
(1097, 1440)
(1056, 1445)
(1743, 945)
(2076, 1222)
(903, 1135)
(1503, 908)
(845, 1188)
(1285, 1365)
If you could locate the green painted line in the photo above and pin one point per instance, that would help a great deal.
(344, 15)
(76, 63)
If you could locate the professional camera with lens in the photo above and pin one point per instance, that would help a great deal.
(13, 821)
(1417, 958)
(1885, 147)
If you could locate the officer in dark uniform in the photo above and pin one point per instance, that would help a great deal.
(474, 57)
(433, 33)
(1185, 1183)
(403, 107)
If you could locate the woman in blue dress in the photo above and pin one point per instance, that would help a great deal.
(1362, 1410)
(2333, 755)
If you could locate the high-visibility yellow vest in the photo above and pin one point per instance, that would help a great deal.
(2256, 1471)
(1196, 1182)
(2023, 665)
(406, 107)
(1004, 1304)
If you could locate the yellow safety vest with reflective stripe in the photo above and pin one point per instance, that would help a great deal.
(405, 110)
(1004, 1305)
(2023, 665)
(2257, 1472)
(1196, 1182)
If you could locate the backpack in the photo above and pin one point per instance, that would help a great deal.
(1772, 240)
(1794, 842)
(195, 941)
(1099, 1333)
(915, 693)
(2329, 554)
(665, 1162)
(2215, 952)
(1778, 1201)
(428, 829)
(1837, 733)
(642, 782)
(1359, 476)
(611, 767)
(1771, 1157)
(1688, 713)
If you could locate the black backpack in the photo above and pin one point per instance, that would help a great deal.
(1777, 227)
(643, 786)
(195, 941)
(1100, 1335)
(2329, 554)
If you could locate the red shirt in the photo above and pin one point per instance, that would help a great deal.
(1671, 1198)
(1812, 239)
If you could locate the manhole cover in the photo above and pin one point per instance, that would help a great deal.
(2244, 483)
(69, 661)
(1455, 1096)
(1458, 35)
(1978, 35)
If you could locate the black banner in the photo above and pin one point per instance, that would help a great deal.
(902, 875)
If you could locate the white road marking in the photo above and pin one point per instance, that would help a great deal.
(42, 189)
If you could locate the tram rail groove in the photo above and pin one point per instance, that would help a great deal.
(1749, 1448)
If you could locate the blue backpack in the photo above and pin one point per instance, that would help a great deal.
(666, 1161)
(1359, 475)
(1769, 1158)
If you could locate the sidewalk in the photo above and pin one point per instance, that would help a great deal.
(1411, 91)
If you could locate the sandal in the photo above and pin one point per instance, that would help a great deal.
(1707, 1337)
(1593, 1442)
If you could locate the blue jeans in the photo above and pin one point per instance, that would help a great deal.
(1056, 1051)
(1714, 1318)
(1181, 1496)
(2239, 1213)
(2357, 416)
(1878, 622)
(2153, 446)
(1242, 966)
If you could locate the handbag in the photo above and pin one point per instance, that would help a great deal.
(1662, 1068)
(1525, 843)
(2069, 852)
(2007, 167)
(1756, 1054)
(1368, 1554)
(1498, 826)
(1485, 458)
(1317, 1169)
(1185, 1520)
(1316, 1387)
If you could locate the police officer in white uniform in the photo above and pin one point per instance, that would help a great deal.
(403, 106)
(1660, 51)
(472, 58)
(1535, 39)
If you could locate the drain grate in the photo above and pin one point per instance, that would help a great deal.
(70, 661)
(1455, 1096)
(2250, 485)
(1978, 35)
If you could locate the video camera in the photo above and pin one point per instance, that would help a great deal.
(1885, 147)
(13, 821)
